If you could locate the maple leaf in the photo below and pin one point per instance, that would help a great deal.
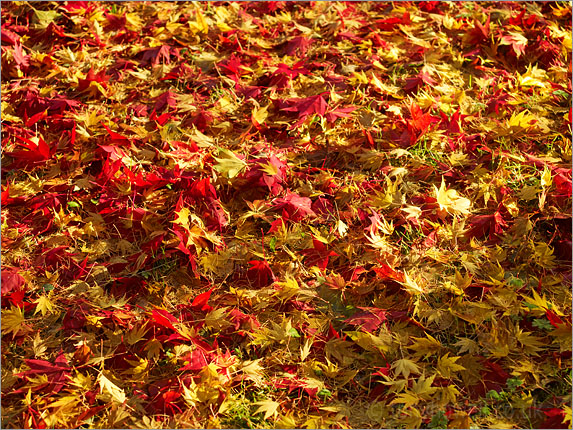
(516, 40)
(182, 217)
(422, 78)
(156, 54)
(481, 225)
(405, 367)
(93, 82)
(269, 172)
(106, 386)
(407, 398)
(13, 321)
(167, 99)
(425, 346)
(229, 164)
(11, 280)
(200, 24)
(44, 305)
(319, 254)
(298, 45)
(339, 112)
(259, 115)
(306, 106)
(200, 302)
(21, 60)
(269, 407)
(447, 365)
(9, 37)
(294, 206)
(370, 319)
(450, 201)
(36, 151)
(420, 121)
(260, 273)
(479, 33)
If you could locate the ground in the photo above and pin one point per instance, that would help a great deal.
(286, 215)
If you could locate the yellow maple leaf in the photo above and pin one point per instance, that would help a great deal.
(269, 407)
(182, 217)
(200, 24)
(136, 334)
(447, 394)
(106, 386)
(567, 416)
(13, 320)
(260, 114)
(44, 305)
(522, 120)
(153, 347)
(269, 168)
(425, 346)
(423, 387)
(546, 179)
(216, 319)
(533, 77)
(531, 343)
(447, 365)
(407, 398)
(451, 201)
(412, 285)
(405, 367)
(228, 164)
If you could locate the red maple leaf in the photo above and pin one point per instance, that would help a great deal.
(480, 33)
(420, 121)
(556, 419)
(200, 302)
(11, 280)
(165, 99)
(196, 360)
(154, 55)
(306, 106)
(166, 403)
(34, 153)
(260, 176)
(487, 225)
(100, 77)
(339, 112)
(294, 206)
(21, 60)
(9, 37)
(319, 255)
(260, 273)
(57, 373)
(298, 45)
(116, 137)
(163, 318)
(422, 78)
(385, 272)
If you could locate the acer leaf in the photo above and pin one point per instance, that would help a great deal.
(269, 407)
(447, 365)
(13, 321)
(405, 367)
(106, 386)
(294, 206)
(260, 273)
(228, 164)
(200, 302)
(450, 201)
